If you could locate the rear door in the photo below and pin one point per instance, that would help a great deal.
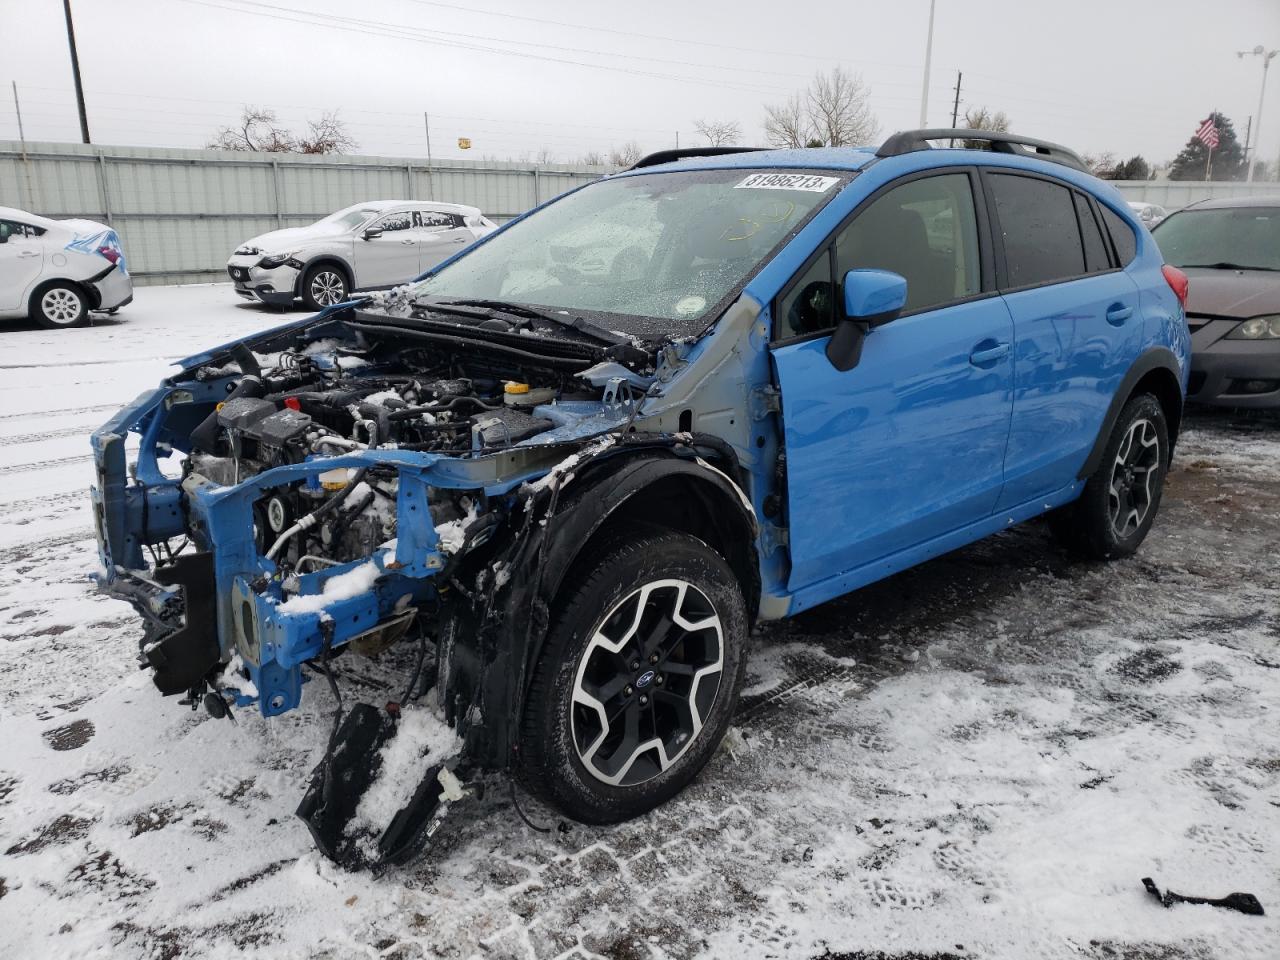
(909, 444)
(391, 258)
(1076, 322)
(21, 262)
(443, 235)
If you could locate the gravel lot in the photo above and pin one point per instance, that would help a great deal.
(978, 758)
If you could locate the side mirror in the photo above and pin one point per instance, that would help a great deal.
(872, 298)
(373, 233)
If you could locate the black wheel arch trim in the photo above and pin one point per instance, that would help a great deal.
(491, 644)
(1154, 358)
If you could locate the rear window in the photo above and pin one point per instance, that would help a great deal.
(1122, 235)
(1232, 236)
(1041, 235)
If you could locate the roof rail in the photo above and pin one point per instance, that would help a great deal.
(909, 141)
(667, 156)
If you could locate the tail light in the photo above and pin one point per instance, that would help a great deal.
(110, 253)
(1178, 283)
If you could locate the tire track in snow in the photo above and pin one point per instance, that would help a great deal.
(44, 464)
(65, 411)
(50, 435)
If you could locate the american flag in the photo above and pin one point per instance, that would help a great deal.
(1208, 133)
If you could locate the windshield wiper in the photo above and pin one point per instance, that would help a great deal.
(584, 327)
(1228, 265)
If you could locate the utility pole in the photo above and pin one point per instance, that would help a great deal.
(928, 61)
(1248, 130)
(75, 71)
(1267, 56)
(426, 123)
(17, 108)
(955, 107)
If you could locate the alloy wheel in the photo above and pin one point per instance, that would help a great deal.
(61, 305)
(1135, 477)
(328, 288)
(647, 682)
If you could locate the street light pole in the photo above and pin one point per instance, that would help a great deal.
(1266, 55)
(928, 61)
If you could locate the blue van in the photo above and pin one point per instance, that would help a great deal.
(573, 465)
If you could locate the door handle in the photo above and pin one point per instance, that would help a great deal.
(987, 352)
(460, 240)
(408, 243)
(1118, 313)
(29, 253)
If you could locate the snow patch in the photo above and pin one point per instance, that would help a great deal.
(233, 679)
(453, 533)
(342, 587)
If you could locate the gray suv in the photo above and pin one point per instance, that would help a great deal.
(367, 246)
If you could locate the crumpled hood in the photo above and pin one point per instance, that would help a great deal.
(281, 241)
(1233, 293)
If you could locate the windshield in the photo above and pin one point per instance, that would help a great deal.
(348, 218)
(1239, 236)
(658, 253)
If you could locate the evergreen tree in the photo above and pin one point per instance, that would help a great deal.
(1228, 159)
(1135, 168)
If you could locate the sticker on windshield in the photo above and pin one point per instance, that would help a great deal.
(787, 181)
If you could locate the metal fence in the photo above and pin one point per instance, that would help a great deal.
(180, 213)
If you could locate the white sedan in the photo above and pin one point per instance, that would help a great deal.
(1149, 213)
(367, 246)
(56, 271)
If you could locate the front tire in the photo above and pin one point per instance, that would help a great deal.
(59, 305)
(324, 285)
(638, 679)
(1121, 498)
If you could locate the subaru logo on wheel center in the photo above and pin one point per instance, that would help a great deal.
(644, 679)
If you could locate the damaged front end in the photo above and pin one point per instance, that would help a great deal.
(368, 475)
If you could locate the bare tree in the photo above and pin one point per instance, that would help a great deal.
(786, 124)
(981, 118)
(834, 111)
(840, 109)
(719, 133)
(627, 155)
(259, 130)
(1101, 164)
(545, 156)
(592, 158)
(326, 135)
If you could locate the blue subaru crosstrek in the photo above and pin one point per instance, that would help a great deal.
(570, 468)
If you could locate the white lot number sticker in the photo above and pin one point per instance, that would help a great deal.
(787, 181)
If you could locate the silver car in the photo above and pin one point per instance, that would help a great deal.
(1149, 213)
(367, 246)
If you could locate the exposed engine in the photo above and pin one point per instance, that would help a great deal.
(325, 398)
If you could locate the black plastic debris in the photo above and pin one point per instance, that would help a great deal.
(1241, 902)
(345, 775)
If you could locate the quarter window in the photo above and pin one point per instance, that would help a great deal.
(1095, 248)
(433, 220)
(1121, 235)
(1041, 235)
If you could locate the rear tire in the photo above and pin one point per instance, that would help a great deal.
(1121, 498)
(59, 305)
(638, 680)
(323, 285)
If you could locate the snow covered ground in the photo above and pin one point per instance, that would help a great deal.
(977, 758)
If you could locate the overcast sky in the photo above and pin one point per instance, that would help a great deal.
(570, 76)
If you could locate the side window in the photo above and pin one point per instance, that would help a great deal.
(11, 228)
(433, 220)
(925, 230)
(809, 305)
(1095, 248)
(1041, 236)
(395, 221)
(1121, 235)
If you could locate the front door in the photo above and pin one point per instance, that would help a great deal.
(391, 258)
(909, 444)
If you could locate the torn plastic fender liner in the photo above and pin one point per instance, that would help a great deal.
(491, 641)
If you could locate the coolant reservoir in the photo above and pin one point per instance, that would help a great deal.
(522, 395)
(334, 479)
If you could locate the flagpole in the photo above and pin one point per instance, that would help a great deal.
(1208, 164)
